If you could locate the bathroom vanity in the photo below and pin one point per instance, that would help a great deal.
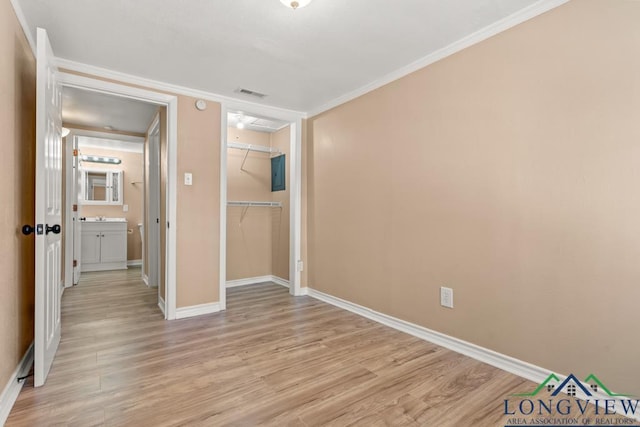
(104, 244)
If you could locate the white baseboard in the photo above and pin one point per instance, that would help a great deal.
(134, 263)
(13, 387)
(304, 291)
(255, 280)
(280, 281)
(161, 304)
(247, 281)
(145, 279)
(197, 310)
(501, 361)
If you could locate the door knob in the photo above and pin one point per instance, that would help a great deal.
(27, 229)
(55, 229)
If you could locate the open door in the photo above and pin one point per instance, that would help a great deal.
(48, 210)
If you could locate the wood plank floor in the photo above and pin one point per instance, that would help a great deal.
(270, 359)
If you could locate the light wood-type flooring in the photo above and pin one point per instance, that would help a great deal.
(268, 359)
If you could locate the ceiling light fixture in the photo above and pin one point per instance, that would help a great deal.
(293, 4)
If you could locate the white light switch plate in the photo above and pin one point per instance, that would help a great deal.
(125, 208)
(188, 179)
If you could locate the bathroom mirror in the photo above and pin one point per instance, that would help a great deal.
(101, 187)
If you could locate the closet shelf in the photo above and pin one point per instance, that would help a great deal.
(255, 203)
(251, 147)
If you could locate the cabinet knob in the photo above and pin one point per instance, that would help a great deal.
(27, 229)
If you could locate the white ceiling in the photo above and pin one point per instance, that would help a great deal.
(301, 59)
(98, 110)
(259, 124)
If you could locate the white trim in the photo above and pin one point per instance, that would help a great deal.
(145, 279)
(25, 27)
(171, 210)
(106, 135)
(295, 208)
(256, 280)
(506, 363)
(304, 291)
(222, 268)
(13, 387)
(248, 281)
(67, 64)
(197, 310)
(134, 263)
(161, 305)
(491, 30)
(501, 361)
(171, 102)
(280, 281)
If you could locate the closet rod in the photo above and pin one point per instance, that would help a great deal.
(255, 203)
(251, 147)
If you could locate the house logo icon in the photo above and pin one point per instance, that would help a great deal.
(571, 386)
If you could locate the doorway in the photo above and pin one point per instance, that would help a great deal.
(251, 137)
(169, 103)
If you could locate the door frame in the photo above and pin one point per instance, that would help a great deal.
(171, 103)
(295, 194)
(152, 229)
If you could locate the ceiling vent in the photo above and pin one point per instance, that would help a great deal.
(250, 93)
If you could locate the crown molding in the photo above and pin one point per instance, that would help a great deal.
(497, 27)
(269, 111)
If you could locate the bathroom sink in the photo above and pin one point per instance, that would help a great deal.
(105, 219)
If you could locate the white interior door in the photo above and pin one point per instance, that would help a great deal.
(77, 224)
(153, 221)
(48, 210)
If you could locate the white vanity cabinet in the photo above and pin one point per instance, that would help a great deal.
(104, 245)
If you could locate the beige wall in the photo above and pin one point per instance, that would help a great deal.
(17, 121)
(198, 248)
(257, 245)
(249, 240)
(132, 167)
(509, 172)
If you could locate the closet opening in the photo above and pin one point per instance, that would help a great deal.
(258, 201)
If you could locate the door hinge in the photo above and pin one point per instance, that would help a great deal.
(75, 208)
(167, 224)
(75, 152)
(75, 262)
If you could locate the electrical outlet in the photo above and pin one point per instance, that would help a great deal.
(188, 179)
(125, 208)
(300, 265)
(446, 297)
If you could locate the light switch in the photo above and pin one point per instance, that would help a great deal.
(125, 208)
(188, 179)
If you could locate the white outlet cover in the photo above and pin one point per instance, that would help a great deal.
(125, 208)
(188, 179)
(446, 297)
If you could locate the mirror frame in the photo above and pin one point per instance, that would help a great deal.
(110, 173)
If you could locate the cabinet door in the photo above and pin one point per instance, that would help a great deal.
(90, 245)
(113, 246)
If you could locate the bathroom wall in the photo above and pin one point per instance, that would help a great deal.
(132, 189)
